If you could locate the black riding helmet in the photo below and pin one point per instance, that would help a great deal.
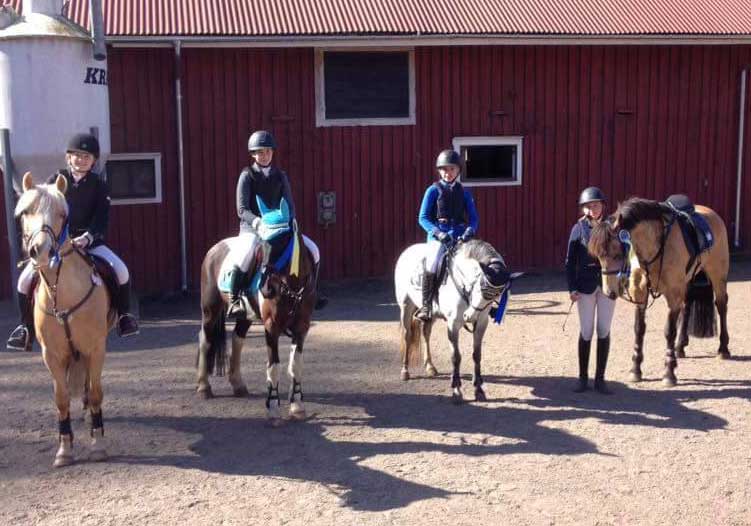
(84, 142)
(446, 158)
(261, 139)
(591, 194)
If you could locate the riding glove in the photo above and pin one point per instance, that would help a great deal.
(468, 234)
(443, 237)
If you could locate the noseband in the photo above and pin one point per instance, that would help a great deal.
(57, 240)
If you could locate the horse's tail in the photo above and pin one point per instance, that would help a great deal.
(410, 342)
(702, 322)
(216, 338)
(77, 376)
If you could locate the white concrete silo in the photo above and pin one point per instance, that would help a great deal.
(51, 87)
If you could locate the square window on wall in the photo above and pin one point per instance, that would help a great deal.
(490, 161)
(134, 178)
(365, 87)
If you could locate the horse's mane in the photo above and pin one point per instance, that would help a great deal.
(636, 209)
(480, 251)
(42, 197)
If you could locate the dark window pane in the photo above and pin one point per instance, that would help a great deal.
(490, 163)
(131, 179)
(366, 85)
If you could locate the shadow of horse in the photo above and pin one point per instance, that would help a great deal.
(307, 452)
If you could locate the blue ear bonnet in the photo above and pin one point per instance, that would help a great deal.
(274, 217)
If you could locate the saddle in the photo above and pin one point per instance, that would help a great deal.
(697, 235)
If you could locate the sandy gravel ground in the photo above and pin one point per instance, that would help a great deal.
(379, 451)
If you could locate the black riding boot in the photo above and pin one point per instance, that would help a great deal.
(127, 325)
(603, 349)
(236, 309)
(321, 300)
(426, 311)
(584, 346)
(22, 336)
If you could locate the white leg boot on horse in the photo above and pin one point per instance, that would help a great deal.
(296, 407)
(273, 410)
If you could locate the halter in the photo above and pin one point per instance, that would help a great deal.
(624, 236)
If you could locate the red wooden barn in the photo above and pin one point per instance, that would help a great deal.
(542, 97)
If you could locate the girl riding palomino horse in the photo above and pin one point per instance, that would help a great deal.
(88, 201)
(447, 214)
(267, 183)
(583, 275)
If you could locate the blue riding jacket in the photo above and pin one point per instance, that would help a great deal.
(447, 208)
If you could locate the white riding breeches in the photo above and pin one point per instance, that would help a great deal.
(103, 251)
(433, 254)
(242, 250)
(117, 264)
(589, 305)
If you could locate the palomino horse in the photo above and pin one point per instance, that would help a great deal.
(72, 314)
(285, 304)
(659, 263)
(476, 276)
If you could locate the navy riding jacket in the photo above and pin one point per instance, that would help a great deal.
(271, 188)
(582, 270)
(447, 208)
(88, 205)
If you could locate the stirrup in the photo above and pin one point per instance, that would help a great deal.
(19, 339)
(423, 314)
(237, 310)
(127, 325)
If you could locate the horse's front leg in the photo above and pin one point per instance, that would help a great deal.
(671, 329)
(94, 377)
(454, 326)
(296, 407)
(427, 328)
(272, 378)
(640, 327)
(477, 336)
(58, 369)
(680, 346)
(239, 389)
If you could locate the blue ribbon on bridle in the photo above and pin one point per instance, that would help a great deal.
(501, 311)
(60, 241)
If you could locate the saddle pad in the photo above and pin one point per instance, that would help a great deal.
(235, 244)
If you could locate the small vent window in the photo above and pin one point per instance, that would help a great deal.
(135, 178)
(490, 161)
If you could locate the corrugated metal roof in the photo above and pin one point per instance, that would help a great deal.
(258, 18)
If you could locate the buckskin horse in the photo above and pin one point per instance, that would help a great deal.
(284, 305)
(72, 311)
(475, 279)
(643, 253)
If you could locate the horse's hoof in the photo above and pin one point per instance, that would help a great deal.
(634, 377)
(206, 393)
(723, 355)
(98, 455)
(404, 375)
(680, 354)
(456, 396)
(669, 381)
(297, 411)
(240, 392)
(63, 460)
(480, 396)
(430, 370)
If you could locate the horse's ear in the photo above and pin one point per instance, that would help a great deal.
(61, 183)
(27, 182)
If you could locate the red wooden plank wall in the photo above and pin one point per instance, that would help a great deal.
(143, 120)
(644, 121)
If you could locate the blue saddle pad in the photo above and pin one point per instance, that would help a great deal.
(697, 233)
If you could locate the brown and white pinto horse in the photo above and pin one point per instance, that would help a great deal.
(659, 264)
(72, 311)
(285, 306)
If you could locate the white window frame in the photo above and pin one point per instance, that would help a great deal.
(507, 140)
(322, 121)
(150, 156)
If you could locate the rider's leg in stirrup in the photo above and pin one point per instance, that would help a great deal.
(22, 336)
(127, 324)
(432, 260)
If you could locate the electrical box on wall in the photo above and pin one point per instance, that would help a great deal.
(326, 208)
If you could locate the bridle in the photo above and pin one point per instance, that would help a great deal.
(623, 273)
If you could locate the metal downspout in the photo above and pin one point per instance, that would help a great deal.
(181, 168)
(739, 175)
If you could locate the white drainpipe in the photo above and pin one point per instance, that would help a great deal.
(741, 130)
(181, 167)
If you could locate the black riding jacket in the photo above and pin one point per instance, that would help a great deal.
(271, 188)
(582, 270)
(88, 205)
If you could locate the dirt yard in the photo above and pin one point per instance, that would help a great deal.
(379, 451)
